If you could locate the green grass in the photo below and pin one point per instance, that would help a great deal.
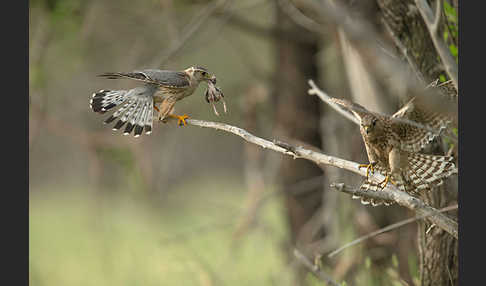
(80, 238)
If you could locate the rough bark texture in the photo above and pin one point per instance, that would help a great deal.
(297, 117)
(438, 251)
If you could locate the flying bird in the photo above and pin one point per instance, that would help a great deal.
(393, 144)
(161, 90)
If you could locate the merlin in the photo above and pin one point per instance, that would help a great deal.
(160, 91)
(392, 145)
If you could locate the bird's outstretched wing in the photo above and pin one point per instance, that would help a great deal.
(165, 78)
(358, 110)
(429, 122)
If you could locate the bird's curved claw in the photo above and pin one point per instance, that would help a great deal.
(181, 119)
(387, 179)
(369, 167)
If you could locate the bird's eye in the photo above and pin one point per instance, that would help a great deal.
(374, 122)
(204, 73)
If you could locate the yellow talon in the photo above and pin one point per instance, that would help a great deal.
(385, 181)
(369, 167)
(181, 119)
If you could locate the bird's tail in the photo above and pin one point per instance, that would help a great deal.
(135, 108)
(423, 172)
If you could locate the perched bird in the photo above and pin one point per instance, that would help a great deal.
(161, 90)
(393, 142)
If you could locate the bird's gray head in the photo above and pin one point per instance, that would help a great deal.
(371, 125)
(199, 74)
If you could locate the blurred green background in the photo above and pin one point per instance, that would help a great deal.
(171, 208)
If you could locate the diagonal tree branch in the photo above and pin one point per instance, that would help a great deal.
(404, 52)
(314, 90)
(432, 22)
(390, 192)
(385, 229)
(314, 268)
(359, 32)
(188, 31)
(412, 203)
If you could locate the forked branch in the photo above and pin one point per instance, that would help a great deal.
(319, 158)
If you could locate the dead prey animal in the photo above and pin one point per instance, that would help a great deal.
(214, 94)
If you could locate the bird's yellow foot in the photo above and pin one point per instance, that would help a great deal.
(369, 167)
(181, 119)
(385, 181)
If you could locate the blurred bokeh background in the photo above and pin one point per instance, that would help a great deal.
(194, 206)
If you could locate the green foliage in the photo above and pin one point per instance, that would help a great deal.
(450, 12)
(452, 27)
(312, 280)
(442, 78)
(454, 51)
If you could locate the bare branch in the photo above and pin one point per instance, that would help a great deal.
(409, 202)
(404, 52)
(314, 268)
(386, 229)
(189, 31)
(299, 18)
(327, 99)
(240, 132)
(314, 90)
(390, 193)
(359, 32)
(432, 23)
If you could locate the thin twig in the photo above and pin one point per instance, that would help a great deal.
(314, 268)
(404, 52)
(386, 229)
(327, 99)
(189, 31)
(314, 90)
(319, 158)
(405, 200)
(432, 22)
(393, 73)
(299, 18)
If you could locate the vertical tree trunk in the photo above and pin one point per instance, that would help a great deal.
(438, 251)
(297, 117)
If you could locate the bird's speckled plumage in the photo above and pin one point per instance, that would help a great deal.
(392, 147)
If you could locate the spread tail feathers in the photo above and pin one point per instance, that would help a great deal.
(135, 108)
(423, 172)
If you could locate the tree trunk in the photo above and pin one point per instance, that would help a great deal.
(438, 251)
(297, 117)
